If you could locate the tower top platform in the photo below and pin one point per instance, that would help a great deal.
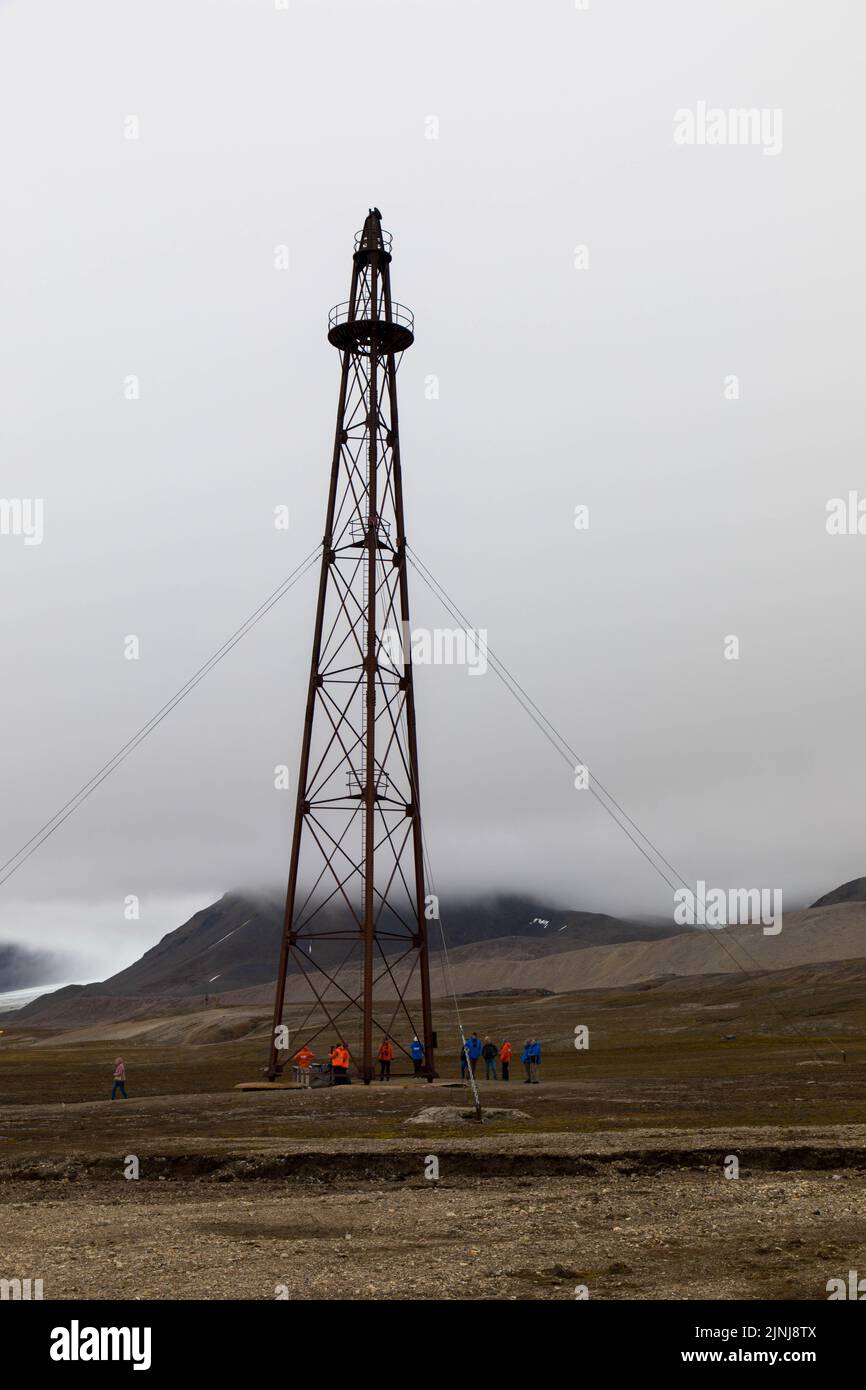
(393, 333)
(370, 321)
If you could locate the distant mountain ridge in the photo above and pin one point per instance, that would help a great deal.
(854, 891)
(505, 942)
(233, 944)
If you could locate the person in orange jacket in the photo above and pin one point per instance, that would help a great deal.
(386, 1057)
(505, 1059)
(340, 1064)
(304, 1057)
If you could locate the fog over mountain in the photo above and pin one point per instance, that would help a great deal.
(560, 381)
(20, 968)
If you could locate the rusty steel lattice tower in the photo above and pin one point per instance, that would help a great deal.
(355, 928)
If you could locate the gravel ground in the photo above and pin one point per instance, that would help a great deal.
(261, 1195)
(672, 1234)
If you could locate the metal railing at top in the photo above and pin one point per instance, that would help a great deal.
(399, 314)
(387, 241)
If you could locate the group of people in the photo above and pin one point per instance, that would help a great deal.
(340, 1059)
(385, 1056)
(474, 1050)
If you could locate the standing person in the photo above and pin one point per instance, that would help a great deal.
(302, 1059)
(473, 1047)
(505, 1059)
(536, 1060)
(526, 1059)
(386, 1057)
(119, 1079)
(489, 1052)
(464, 1060)
(340, 1064)
(417, 1051)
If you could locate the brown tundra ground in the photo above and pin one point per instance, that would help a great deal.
(610, 1184)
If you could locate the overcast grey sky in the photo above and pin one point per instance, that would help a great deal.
(260, 127)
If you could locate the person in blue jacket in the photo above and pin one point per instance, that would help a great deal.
(417, 1053)
(473, 1049)
(535, 1056)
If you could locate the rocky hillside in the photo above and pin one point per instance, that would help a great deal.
(229, 953)
(852, 892)
(807, 939)
(233, 945)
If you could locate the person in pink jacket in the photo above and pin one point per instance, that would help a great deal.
(119, 1079)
